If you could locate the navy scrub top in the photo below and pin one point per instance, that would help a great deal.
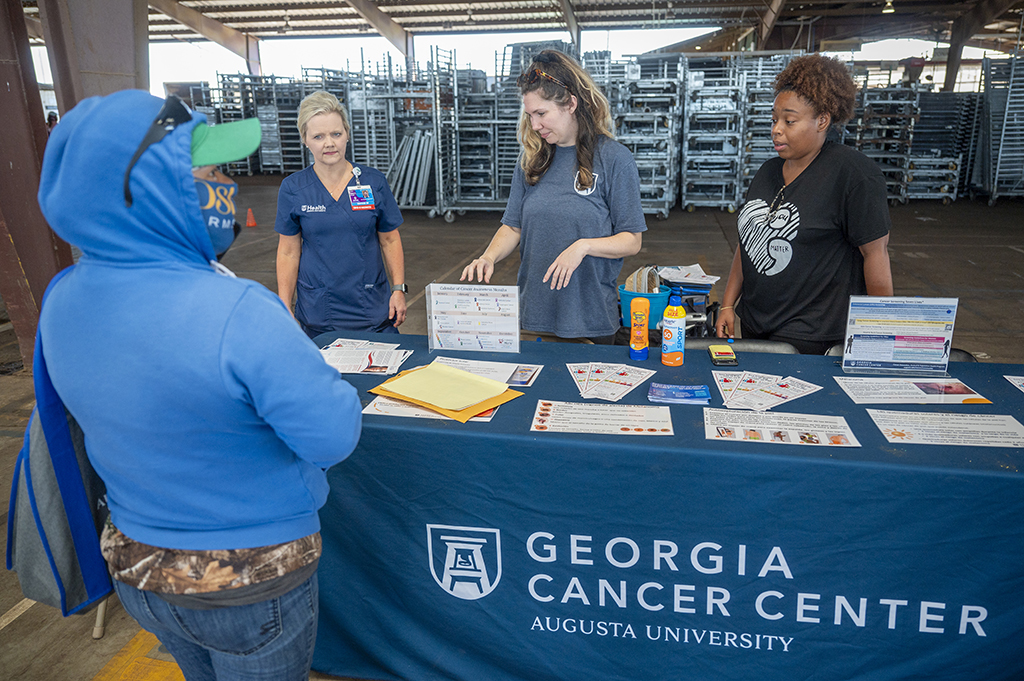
(342, 282)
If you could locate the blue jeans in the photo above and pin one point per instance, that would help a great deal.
(272, 640)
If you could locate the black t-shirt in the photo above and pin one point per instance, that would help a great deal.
(801, 267)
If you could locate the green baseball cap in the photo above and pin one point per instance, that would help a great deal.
(213, 145)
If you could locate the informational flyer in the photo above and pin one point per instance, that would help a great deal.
(751, 390)
(353, 343)
(908, 391)
(385, 406)
(726, 382)
(367, 359)
(579, 373)
(764, 396)
(603, 419)
(614, 385)
(958, 430)
(610, 382)
(779, 429)
(473, 317)
(520, 375)
(899, 335)
(1017, 381)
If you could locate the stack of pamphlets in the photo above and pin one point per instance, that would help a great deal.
(350, 356)
(609, 382)
(689, 279)
(750, 390)
(664, 393)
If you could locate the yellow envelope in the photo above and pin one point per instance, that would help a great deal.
(462, 415)
(446, 387)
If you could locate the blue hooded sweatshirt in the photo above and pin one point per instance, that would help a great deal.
(206, 410)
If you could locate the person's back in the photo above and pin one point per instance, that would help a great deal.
(206, 411)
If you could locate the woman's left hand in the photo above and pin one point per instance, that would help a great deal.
(396, 308)
(560, 271)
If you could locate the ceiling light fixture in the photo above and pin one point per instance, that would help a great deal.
(888, 9)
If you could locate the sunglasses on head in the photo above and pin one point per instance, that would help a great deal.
(172, 114)
(533, 75)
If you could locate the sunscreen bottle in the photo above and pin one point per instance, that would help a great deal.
(673, 332)
(639, 315)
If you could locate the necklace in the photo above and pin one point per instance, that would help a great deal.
(335, 188)
(775, 205)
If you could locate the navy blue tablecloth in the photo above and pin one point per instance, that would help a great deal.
(486, 551)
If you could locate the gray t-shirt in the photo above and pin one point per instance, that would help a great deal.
(552, 215)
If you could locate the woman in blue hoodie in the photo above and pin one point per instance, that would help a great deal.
(213, 448)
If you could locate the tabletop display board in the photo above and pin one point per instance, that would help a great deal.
(473, 317)
(485, 550)
(899, 335)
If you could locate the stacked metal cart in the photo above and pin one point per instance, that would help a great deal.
(1002, 147)
(759, 73)
(713, 133)
(698, 126)
(883, 130)
(935, 162)
(486, 124)
(236, 102)
(647, 106)
(444, 85)
(968, 134)
(277, 106)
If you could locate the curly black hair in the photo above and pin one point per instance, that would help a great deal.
(825, 82)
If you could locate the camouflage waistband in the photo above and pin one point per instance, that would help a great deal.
(179, 571)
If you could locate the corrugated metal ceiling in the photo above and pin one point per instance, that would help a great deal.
(797, 23)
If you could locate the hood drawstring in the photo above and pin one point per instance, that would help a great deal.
(220, 269)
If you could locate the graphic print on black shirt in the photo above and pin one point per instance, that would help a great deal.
(767, 242)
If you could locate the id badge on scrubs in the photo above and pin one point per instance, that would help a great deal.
(361, 197)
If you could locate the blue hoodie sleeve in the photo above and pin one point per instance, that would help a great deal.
(268, 361)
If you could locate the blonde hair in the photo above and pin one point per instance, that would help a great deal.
(316, 103)
(593, 114)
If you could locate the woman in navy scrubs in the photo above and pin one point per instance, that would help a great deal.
(339, 242)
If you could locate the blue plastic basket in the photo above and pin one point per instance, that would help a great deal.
(659, 301)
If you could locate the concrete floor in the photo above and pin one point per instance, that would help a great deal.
(967, 250)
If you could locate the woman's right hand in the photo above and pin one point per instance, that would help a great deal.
(482, 268)
(725, 327)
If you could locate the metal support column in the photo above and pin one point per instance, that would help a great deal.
(96, 47)
(30, 254)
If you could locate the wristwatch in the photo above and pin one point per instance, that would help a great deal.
(404, 288)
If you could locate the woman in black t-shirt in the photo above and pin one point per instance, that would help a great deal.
(808, 240)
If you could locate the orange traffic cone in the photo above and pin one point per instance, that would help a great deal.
(250, 219)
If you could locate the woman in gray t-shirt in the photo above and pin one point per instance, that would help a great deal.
(574, 208)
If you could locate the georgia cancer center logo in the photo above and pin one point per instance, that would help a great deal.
(465, 561)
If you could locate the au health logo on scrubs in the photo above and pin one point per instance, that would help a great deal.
(314, 209)
(465, 561)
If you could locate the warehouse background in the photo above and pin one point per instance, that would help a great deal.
(694, 115)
